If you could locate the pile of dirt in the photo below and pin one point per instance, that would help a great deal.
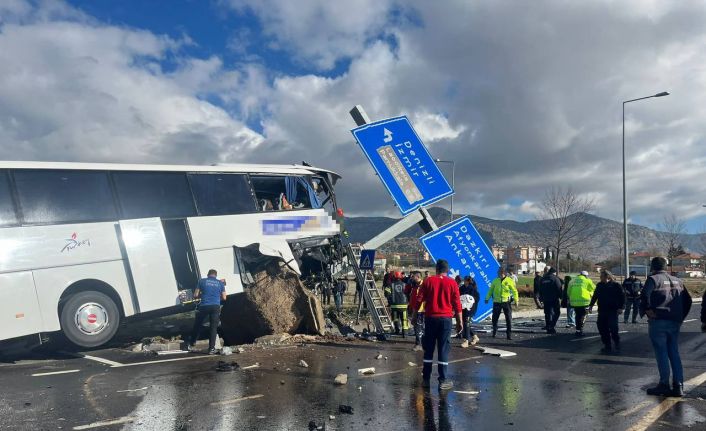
(277, 302)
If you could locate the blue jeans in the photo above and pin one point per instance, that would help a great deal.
(437, 331)
(570, 316)
(664, 335)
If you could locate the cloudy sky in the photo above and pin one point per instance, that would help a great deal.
(522, 95)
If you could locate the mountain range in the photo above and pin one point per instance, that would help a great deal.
(603, 244)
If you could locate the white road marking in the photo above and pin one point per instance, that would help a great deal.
(690, 320)
(467, 392)
(236, 400)
(133, 390)
(594, 337)
(636, 408)
(55, 373)
(100, 424)
(101, 360)
(653, 415)
(158, 362)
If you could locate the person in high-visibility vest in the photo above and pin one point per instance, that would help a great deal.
(503, 292)
(580, 292)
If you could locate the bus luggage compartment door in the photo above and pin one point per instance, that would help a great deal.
(150, 263)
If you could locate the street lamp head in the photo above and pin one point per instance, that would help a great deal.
(662, 94)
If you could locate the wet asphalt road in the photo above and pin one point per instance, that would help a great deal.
(554, 382)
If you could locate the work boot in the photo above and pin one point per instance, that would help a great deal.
(494, 331)
(464, 345)
(661, 390)
(446, 385)
(579, 333)
(475, 340)
(212, 351)
(551, 331)
(509, 336)
(417, 348)
(617, 346)
(677, 390)
(606, 350)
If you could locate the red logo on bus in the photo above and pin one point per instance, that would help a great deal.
(74, 242)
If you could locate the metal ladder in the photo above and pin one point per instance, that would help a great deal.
(373, 299)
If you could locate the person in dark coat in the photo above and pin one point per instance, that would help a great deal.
(611, 302)
(537, 285)
(703, 313)
(666, 303)
(570, 314)
(470, 288)
(550, 294)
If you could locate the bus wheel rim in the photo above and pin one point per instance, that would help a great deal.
(91, 318)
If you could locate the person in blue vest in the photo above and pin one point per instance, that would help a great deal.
(211, 291)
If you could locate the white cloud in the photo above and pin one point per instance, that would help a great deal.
(73, 89)
(319, 32)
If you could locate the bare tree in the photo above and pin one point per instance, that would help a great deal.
(567, 219)
(673, 229)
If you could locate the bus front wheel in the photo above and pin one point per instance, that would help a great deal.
(89, 319)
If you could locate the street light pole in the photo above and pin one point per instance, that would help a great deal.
(626, 253)
(453, 174)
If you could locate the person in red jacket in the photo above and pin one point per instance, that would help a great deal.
(442, 301)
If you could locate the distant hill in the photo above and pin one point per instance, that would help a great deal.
(603, 244)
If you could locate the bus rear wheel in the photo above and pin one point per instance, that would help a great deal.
(89, 319)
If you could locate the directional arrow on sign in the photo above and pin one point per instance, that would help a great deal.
(388, 135)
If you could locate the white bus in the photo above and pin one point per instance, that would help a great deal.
(84, 245)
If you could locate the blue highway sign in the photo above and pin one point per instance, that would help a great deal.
(367, 260)
(460, 243)
(403, 163)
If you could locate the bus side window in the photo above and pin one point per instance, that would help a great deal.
(64, 196)
(7, 207)
(154, 194)
(221, 194)
(283, 193)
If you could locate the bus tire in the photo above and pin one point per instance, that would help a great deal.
(89, 319)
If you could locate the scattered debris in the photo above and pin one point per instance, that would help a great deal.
(313, 426)
(411, 364)
(495, 352)
(240, 350)
(468, 392)
(226, 351)
(275, 302)
(331, 417)
(303, 364)
(249, 367)
(341, 379)
(137, 347)
(363, 371)
(261, 417)
(360, 389)
(227, 366)
(281, 382)
(379, 356)
(342, 408)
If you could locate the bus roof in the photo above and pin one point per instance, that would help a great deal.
(237, 167)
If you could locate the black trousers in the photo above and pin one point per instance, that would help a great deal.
(580, 317)
(437, 334)
(467, 331)
(506, 309)
(552, 310)
(212, 313)
(608, 327)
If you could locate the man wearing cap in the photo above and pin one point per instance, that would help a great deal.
(666, 303)
(632, 287)
(580, 292)
(550, 295)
